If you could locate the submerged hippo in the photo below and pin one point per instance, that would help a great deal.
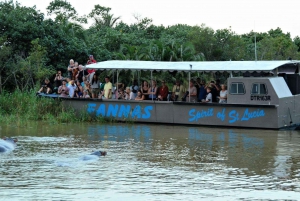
(8, 144)
(94, 155)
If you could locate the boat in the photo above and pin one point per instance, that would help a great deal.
(265, 95)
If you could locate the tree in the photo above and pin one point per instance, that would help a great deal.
(103, 17)
(64, 11)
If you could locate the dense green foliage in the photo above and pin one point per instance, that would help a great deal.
(32, 47)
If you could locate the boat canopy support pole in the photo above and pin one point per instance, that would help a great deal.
(117, 85)
(151, 85)
(189, 83)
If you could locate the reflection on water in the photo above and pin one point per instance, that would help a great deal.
(149, 162)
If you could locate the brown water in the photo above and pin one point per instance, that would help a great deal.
(150, 162)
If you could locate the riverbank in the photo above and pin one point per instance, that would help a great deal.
(18, 108)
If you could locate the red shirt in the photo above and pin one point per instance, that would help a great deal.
(91, 61)
(163, 91)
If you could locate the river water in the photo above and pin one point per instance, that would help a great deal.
(149, 162)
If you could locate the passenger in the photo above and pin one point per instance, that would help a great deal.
(91, 60)
(152, 90)
(134, 89)
(121, 94)
(57, 81)
(197, 84)
(177, 91)
(223, 94)
(72, 89)
(63, 90)
(68, 81)
(91, 71)
(95, 84)
(208, 96)
(127, 94)
(192, 97)
(79, 92)
(218, 85)
(82, 73)
(140, 95)
(144, 89)
(87, 91)
(70, 68)
(214, 91)
(107, 92)
(201, 91)
(46, 87)
(163, 92)
(119, 90)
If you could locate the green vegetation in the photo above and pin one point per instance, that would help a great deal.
(19, 108)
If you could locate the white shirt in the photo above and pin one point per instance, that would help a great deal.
(72, 90)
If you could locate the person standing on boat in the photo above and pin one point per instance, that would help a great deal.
(152, 90)
(192, 96)
(90, 71)
(223, 94)
(163, 91)
(57, 80)
(202, 91)
(81, 73)
(214, 91)
(72, 88)
(70, 68)
(95, 84)
(178, 91)
(107, 92)
(144, 89)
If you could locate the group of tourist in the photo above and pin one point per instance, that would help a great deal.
(85, 83)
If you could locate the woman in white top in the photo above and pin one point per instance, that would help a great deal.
(223, 94)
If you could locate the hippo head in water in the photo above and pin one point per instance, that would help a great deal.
(8, 144)
(99, 153)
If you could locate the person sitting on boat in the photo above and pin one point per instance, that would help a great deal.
(46, 87)
(107, 91)
(152, 90)
(208, 98)
(63, 90)
(119, 90)
(223, 94)
(163, 91)
(79, 92)
(178, 91)
(140, 95)
(134, 89)
(192, 96)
